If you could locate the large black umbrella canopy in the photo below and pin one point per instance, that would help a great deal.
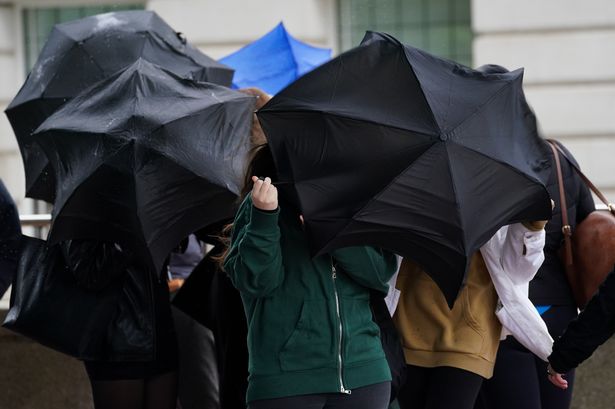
(80, 53)
(390, 146)
(145, 158)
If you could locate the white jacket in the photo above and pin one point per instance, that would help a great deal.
(513, 256)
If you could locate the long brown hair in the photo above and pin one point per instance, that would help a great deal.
(261, 164)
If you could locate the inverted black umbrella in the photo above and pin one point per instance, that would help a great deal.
(82, 52)
(145, 158)
(391, 146)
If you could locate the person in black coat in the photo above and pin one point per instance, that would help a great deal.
(518, 380)
(135, 364)
(10, 233)
(588, 331)
(210, 298)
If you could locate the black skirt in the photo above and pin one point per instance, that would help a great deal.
(166, 356)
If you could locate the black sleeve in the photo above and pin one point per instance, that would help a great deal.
(94, 264)
(10, 234)
(588, 331)
(10, 228)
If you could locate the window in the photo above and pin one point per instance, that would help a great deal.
(38, 22)
(441, 27)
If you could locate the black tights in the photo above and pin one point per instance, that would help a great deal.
(374, 396)
(158, 392)
(439, 388)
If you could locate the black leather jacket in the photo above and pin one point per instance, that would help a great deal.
(104, 267)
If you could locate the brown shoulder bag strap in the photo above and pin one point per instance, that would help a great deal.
(588, 182)
(566, 230)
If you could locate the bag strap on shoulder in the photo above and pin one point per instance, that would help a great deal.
(585, 179)
(566, 229)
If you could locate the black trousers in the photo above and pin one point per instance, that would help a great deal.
(368, 397)
(439, 388)
(520, 377)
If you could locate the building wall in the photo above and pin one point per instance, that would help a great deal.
(11, 169)
(221, 27)
(568, 50)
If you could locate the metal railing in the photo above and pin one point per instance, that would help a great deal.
(35, 220)
(43, 220)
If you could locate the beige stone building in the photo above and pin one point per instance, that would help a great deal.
(568, 51)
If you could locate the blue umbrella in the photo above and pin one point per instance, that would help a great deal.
(274, 61)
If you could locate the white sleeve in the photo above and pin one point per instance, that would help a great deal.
(522, 253)
(511, 267)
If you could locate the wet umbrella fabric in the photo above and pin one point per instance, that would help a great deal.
(146, 157)
(82, 52)
(274, 61)
(390, 146)
(10, 237)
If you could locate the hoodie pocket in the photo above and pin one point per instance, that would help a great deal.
(311, 343)
(361, 334)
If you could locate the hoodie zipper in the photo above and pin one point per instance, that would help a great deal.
(341, 328)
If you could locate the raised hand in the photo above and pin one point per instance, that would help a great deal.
(264, 194)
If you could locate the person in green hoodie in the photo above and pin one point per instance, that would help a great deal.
(311, 339)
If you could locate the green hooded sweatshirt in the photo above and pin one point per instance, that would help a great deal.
(310, 327)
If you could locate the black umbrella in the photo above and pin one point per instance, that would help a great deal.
(391, 146)
(10, 236)
(82, 52)
(145, 158)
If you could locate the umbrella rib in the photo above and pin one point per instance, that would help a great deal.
(140, 230)
(433, 117)
(480, 107)
(516, 170)
(32, 85)
(513, 168)
(459, 214)
(373, 199)
(336, 81)
(57, 71)
(290, 47)
(216, 104)
(338, 115)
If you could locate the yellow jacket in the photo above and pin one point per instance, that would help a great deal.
(467, 336)
(433, 335)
